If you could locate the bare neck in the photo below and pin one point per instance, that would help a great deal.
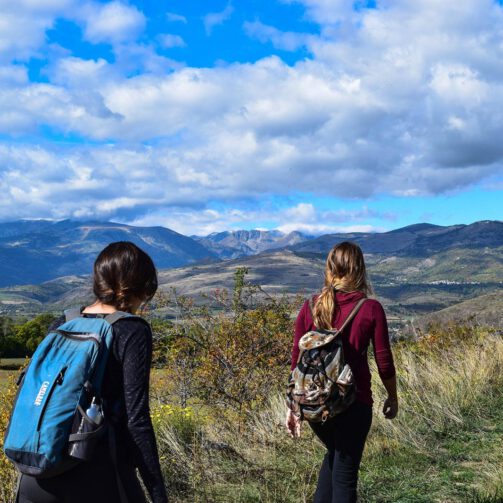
(99, 307)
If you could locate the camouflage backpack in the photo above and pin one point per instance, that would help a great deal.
(321, 385)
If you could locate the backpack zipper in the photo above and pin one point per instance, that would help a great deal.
(57, 381)
(79, 336)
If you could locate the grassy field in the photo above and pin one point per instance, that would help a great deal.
(9, 366)
(444, 446)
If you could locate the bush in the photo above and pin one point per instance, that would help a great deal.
(232, 357)
(21, 339)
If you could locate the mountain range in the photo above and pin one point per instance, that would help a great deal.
(235, 244)
(418, 240)
(34, 251)
(416, 269)
(41, 250)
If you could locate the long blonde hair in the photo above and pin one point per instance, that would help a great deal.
(344, 271)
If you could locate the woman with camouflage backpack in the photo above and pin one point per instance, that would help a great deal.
(342, 429)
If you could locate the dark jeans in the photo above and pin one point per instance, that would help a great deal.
(344, 437)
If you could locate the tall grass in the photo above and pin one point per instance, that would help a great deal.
(450, 386)
(444, 445)
(446, 381)
(8, 475)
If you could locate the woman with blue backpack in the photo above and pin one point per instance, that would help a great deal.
(330, 381)
(81, 422)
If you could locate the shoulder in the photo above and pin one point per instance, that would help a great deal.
(308, 305)
(133, 321)
(310, 302)
(374, 308)
(305, 318)
(132, 331)
(134, 325)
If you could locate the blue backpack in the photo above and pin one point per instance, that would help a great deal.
(54, 391)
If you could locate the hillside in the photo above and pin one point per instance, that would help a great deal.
(38, 251)
(406, 286)
(35, 251)
(419, 240)
(484, 309)
(278, 272)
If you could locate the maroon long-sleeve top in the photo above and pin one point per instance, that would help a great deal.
(369, 325)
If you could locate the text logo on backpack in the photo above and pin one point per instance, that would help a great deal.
(64, 374)
(41, 393)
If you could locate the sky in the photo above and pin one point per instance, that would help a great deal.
(204, 116)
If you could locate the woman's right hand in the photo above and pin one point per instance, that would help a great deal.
(293, 424)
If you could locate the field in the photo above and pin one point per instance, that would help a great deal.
(8, 367)
(444, 446)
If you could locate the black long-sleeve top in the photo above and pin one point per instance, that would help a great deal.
(126, 377)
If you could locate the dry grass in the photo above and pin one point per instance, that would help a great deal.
(447, 436)
(8, 475)
(441, 387)
(449, 383)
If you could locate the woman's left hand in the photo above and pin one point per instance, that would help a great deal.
(390, 408)
(293, 424)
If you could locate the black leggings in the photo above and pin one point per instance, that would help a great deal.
(89, 482)
(344, 437)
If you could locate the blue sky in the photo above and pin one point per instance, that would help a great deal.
(317, 115)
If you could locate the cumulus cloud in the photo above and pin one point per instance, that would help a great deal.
(173, 17)
(205, 221)
(307, 218)
(402, 100)
(23, 26)
(111, 22)
(326, 11)
(169, 40)
(217, 18)
(284, 40)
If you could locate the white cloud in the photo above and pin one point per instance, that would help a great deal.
(306, 218)
(326, 11)
(202, 222)
(173, 17)
(318, 229)
(217, 18)
(13, 75)
(169, 40)
(400, 100)
(112, 22)
(284, 40)
(23, 25)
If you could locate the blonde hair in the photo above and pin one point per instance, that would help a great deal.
(344, 271)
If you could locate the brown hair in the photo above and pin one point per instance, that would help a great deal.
(122, 273)
(344, 271)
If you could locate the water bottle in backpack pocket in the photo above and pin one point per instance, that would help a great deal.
(87, 428)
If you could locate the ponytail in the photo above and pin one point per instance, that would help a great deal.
(344, 271)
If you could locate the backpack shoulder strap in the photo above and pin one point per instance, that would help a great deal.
(118, 315)
(75, 312)
(72, 313)
(352, 314)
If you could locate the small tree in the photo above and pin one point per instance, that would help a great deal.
(30, 334)
(234, 350)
